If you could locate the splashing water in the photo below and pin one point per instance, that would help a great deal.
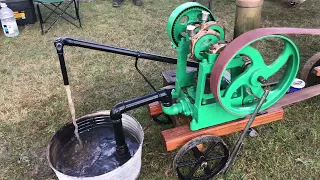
(98, 154)
(73, 115)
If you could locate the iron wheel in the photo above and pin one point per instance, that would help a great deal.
(201, 158)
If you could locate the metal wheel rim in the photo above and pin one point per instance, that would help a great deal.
(274, 96)
(178, 14)
(306, 72)
(192, 143)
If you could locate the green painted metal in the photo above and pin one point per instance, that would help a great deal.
(203, 44)
(183, 105)
(239, 86)
(185, 14)
(249, 78)
(190, 97)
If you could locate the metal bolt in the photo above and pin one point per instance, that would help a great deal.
(203, 165)
(246, 59)
(262, 79)
(222, 42)
(212, 49)
(191, 30)
(205, 16)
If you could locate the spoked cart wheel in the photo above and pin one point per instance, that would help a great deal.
(201, 158)
(307, 73)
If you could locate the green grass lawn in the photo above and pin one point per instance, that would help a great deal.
(33, 103)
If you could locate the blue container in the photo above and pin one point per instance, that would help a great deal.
(297, 85)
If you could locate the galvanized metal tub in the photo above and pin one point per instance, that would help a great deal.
(128, 171)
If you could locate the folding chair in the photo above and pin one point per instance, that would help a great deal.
(55, 6)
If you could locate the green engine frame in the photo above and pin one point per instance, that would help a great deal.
(191, 95)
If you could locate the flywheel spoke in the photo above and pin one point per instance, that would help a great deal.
(187, 163)
(196, 152)
(253, 53)
(180, 27)
(281, 60)
(207, 171)
(215, 157)
(193, 170)
(210, 148)
(239, 81)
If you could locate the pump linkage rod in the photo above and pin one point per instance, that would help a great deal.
(163, 95)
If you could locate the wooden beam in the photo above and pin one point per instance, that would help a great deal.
(178, 136)
(155, 108)
(296, 97)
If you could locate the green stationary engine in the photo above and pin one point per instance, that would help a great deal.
(216, 82)
(218, 92)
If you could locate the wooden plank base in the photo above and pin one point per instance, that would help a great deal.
(155, 108)
(178, 136)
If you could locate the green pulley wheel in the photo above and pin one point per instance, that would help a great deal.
(253, 76)
(189, 13)
(202, 46)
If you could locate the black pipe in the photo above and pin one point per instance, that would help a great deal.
(163, 95)
(60, 42)
(59, 47)
(122, 51)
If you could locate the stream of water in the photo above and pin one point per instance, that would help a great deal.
(94, 153)
(73, 115)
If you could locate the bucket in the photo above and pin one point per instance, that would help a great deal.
(94, 127)
(297, 85)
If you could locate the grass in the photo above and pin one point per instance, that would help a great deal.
(33, 103)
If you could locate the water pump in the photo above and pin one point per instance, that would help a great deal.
(216, 81)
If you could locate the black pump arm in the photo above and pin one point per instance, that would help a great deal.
(163, 95)
(61, 42)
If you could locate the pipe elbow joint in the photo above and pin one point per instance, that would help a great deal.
(174, 109)
(181, 107)
(61, 41)
(58, 43)
(167, 99)
(117, 110)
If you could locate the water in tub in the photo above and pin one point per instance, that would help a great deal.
(94, 153)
